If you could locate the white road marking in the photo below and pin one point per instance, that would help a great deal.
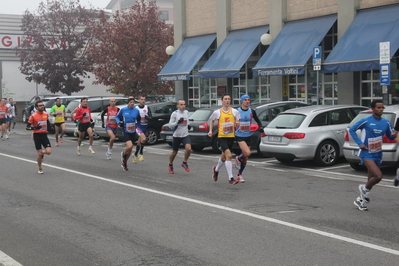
(7, 260)
(224, 208)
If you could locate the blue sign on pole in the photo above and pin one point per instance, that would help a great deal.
(317, 58)
(385, 74)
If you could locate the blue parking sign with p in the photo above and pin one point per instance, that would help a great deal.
(317, 55)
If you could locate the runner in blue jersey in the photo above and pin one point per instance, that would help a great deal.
(373, 129)
(243, 134)
(127, 118)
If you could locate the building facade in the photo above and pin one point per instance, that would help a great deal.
(218, 49)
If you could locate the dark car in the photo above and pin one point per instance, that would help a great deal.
(160, 114)
(199, 124)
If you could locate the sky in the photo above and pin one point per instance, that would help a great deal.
(18, 7)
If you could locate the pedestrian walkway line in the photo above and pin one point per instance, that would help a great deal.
(224, 208)
(7, 260)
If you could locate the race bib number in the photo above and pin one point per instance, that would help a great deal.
(375, 144)
(86, 118)
(227, 128)
(143, 121)
(112, 120)
(43, 125)
(245, 127)
(59, 113)
(130, 127)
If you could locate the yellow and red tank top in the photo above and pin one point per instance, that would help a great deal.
(226, 124)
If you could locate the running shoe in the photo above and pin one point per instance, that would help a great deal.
(396, 181)
(91, 151)
(124, 167)
(360, 204)
(123, 159)
(364, 193)
(170, 167)
(134, 158)
(61, 139)
(40, 171)
(238, 162)
(185, 166)
(108, 155)
(233, 181)
(56, 143)
(240, 179)
(141, 158)
(6, 136)
(2, 138)
(215, 174)
(78, 151)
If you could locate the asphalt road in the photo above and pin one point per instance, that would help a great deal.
(85, 210)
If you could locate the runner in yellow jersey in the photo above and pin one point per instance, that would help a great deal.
(58, 111)
(227, 118)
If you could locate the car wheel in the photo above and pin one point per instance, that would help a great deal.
(197, 148)
(326, 154)
(284, 160)
(357, 166)
(152, 136)
(215, 145)
(24, 117)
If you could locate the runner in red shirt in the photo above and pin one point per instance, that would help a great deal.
(110, 125)
(3, 118)
(39, 123)
(83, 115)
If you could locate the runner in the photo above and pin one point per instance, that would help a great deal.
(227, 118)
(243, 134)
(373, 129)
(3, 118)
(83, 116)
(127, 118)
(39, 123)
(141, 128)
(12, 113)
(111, 126)
(179, 121)
(58, 111)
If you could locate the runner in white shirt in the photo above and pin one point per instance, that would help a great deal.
(179, 121)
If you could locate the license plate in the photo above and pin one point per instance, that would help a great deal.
(355, 152)
(274, 139)
(169, 137)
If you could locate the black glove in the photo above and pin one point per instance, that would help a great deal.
(91, 120)
(37, 127)
(260, 129)
(55, 115)
(180, 120)
(121, 124)
(84, 114)
(76, 121)
(102, 125)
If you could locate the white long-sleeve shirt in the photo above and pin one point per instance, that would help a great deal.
(180, 130)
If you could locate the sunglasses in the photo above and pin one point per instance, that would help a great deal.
(40, 105)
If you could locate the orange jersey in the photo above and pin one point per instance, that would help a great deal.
(3, 111)
(38, 118)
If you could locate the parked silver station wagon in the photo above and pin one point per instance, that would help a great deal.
(313, 133)
(390, 151)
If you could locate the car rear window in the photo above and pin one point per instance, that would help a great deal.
(389, 116)
(286, 121)
(201, 115)
(72, 106)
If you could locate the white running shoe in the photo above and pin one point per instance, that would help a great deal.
(6, 136)
(108, 155)
(40, 171)
(91, 151)
(364, 193)
(78, 151)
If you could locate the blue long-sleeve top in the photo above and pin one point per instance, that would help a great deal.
(372, 132)
(129, 116)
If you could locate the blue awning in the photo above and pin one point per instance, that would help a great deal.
(293, 46)
(358, 49)
(185, 58)
(232, 54)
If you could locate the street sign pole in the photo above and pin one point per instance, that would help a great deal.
(385, 69)
(317, 67)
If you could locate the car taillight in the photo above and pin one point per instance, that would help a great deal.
(346, 137)
(262, 135)
(203, 127)
(162, 128)
(386, 140)
(253, 127)
(294, 135)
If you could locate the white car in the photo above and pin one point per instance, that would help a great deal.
(313, 133)
(390, 151)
